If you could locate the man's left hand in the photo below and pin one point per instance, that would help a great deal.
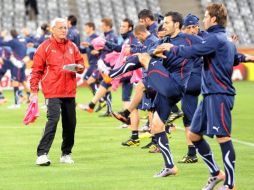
(80, 68)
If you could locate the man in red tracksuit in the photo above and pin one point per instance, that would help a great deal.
(59, 89)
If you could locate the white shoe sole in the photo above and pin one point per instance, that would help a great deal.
(43, 164)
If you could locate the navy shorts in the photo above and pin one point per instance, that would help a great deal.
(96, 75)
(189, 105)
(105, 85)
(194, 84)
(18, 74)
(190, 98)
(148, 97)
(146, 103)
(160, 80)
(91, 69)
(213, 115)
(7, 65)
(126, 91)
(163, 105)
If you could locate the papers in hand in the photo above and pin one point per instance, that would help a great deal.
(72, 67)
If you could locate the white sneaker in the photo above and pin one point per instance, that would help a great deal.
(66, 159)
(123, 126)
(214, 180)
(166, 172)
(43, 160)
(102, 67)
(14, 106)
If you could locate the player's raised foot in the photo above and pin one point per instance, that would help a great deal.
(66, 159)
(120, 116)
(102, 67)
(167, 172)
(43, 160)
(131, 142)
(86, 108)
(101, 106)
(214, 180)
(188, 159)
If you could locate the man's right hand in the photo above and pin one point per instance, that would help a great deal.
(85, 44)
(32, 95)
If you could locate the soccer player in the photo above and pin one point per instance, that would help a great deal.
(103, 90)
(73, 33)
(111, 45)
(172, 75)
(213, 115)
(192, 91)
(16, 65)
(89, 29)
(147, 18)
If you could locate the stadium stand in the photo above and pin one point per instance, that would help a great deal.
(240, 18)
(12, 13)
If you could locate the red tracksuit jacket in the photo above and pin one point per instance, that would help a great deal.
(47, 68)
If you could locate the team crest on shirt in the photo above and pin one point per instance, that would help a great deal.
(70, 50)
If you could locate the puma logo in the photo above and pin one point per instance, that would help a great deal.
(216, 128)
(153, 63)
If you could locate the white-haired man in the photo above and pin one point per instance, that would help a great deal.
(59, 89)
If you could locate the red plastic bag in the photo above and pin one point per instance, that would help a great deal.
(32, 111)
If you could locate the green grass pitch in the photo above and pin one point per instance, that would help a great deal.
(101, 163)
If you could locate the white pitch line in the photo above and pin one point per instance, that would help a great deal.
(243, 142)
(233, 139)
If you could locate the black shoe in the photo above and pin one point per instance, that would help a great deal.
(131, 142)
(106, 114)
(101, 106)
(173, 116)
(149, 145)
(189, 159)
(120, 116)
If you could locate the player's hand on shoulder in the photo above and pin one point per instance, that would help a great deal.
(144, 58)
(249, 58)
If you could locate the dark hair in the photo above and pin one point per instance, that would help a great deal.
(176, 17)
(219, 11)
(14, 33)
(160, 28)
(107, 22)
(90, 24)
(140, 28)
(72, 19)
(145, 13)
(45, 27)
(130, 22)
